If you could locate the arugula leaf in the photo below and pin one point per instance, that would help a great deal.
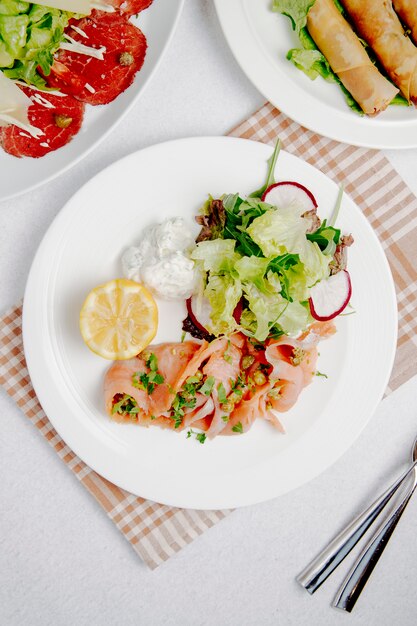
(245, 245)
(283, 262)
(335, 214)
(326, 237)
(270, 177)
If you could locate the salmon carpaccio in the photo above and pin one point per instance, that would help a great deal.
(220, 387)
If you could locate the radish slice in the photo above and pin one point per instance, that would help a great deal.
(290, 194)
(237, 313)
(329, 297)
(199, 312)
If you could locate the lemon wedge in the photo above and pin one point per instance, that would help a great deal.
(119, 319)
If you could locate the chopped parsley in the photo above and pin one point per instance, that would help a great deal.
(227, 356)
(225, 418)
(126, 406)
(238, 428)
(184, 399)
(193, 380)
(221, 392)
(201, 437)
(208, 385)
(148, 381)
(152, 362)
(320, 374)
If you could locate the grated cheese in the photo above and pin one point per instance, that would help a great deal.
(14, 105)
(80, 48)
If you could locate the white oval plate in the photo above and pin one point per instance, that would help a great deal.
(260, 40)
(83, 248)
(158, 23)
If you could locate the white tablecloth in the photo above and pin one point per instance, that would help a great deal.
(62, 562)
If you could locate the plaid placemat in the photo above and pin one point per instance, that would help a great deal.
(155, 531)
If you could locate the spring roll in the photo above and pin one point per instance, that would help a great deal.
(407, 12)
(348, 58)
(378, 24)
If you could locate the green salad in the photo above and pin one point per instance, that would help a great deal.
(263, 260)
(30, 34)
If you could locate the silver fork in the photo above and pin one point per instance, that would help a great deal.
(326, 562)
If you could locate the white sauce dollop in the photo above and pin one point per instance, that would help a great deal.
(161, 262)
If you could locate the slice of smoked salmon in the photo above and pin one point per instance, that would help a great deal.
(239, 392)
(224, 367)
(171, 360)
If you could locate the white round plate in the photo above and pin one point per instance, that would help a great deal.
(83, 248)
(260, 40)
(158, 23)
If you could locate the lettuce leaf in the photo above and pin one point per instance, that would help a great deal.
(316, 264)
(30, 34)
(294, 317)
(216, 255)
(296, 10)
(265, 309)
(278, 232)
(252, 269)
(223, 293)
(13, 7)
(311, 62)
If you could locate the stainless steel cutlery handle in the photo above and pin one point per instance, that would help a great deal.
(358, 576)
(323, 565)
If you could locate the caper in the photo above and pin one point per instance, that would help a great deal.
(63, 121)
(259, 378)
(247, 361)
(126, 58)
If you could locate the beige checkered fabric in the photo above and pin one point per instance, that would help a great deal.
(155, 531)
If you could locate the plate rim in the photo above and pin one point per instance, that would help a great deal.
(29, 325)
(249, 58)
(109, 129)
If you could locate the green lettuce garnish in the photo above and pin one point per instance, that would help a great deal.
(278, 232)
(30, 34)
(308, 58)
(223, 292)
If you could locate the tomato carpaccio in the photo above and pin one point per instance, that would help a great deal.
(96, 81)
(59, 117)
